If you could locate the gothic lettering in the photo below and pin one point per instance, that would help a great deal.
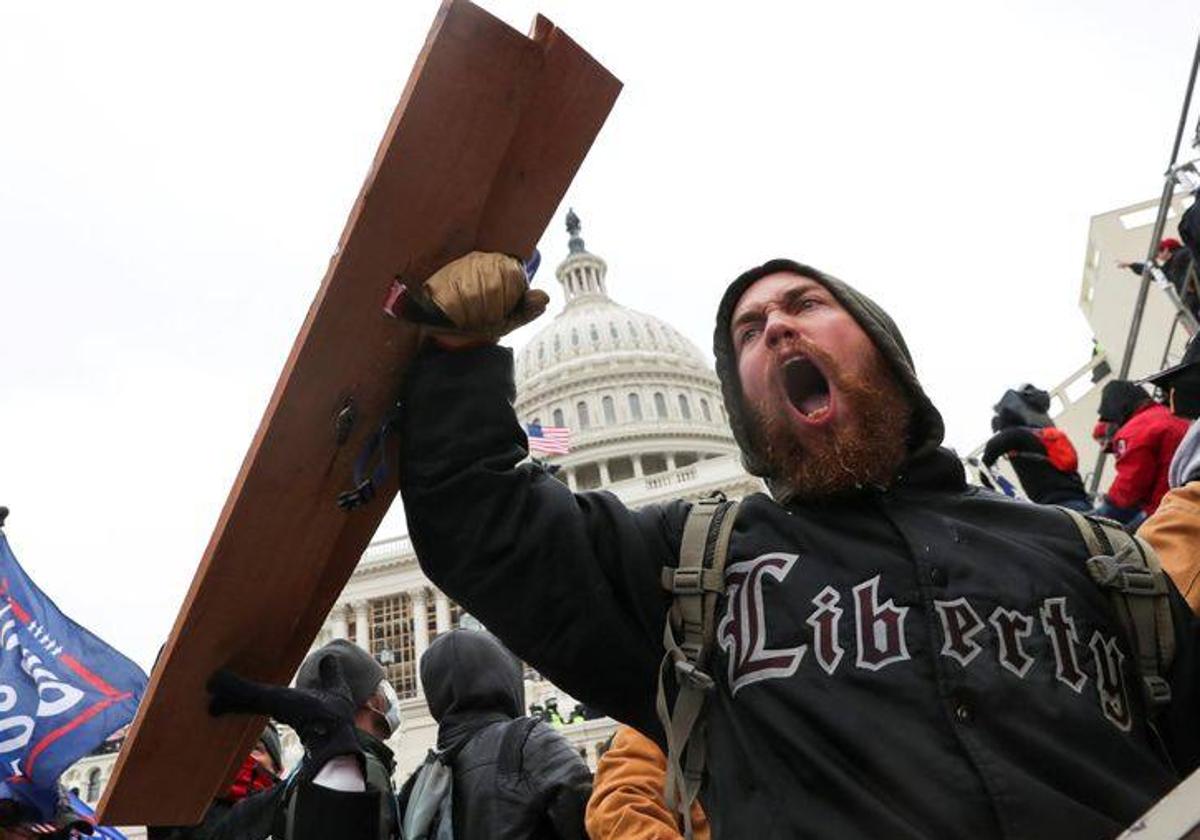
(824, 622)
(960, 625)
(1011, 627)
(880, 628)
(743, 631)
(1110, 680)
(1060, 627)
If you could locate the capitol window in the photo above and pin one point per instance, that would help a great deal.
(587, 476)
(595, 333)
(620, 469)
(392, 642)
(558, 418)
(652, 464)
(704, 409)
(660, 406)
(635, 407)
(685, 407)
(585, 422)
(610, 410)
(574, 338)
(612, 330)
(92, 792)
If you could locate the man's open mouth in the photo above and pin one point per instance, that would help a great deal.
(807, 389)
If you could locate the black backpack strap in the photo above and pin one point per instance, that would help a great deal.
(695, 586)
(512, 746)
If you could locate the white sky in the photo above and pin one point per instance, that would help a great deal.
(173, 179)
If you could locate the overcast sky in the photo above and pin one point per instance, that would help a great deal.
(174, 177)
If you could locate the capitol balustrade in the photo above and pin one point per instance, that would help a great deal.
(387, 550)
(721, 472)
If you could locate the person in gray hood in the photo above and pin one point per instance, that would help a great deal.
(515, 778)
(898, 654)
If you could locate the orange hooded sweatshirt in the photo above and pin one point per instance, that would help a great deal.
(627, 796)
(1174, 534)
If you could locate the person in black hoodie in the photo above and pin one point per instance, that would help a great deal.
(515, 778)
(899, 654)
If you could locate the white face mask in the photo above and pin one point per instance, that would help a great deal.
(393, 717)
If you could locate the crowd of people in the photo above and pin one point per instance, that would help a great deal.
(872, 647)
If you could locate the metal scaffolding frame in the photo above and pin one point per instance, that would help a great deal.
(1170, 180)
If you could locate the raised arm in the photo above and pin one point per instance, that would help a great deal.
(1011, 440)
(570, 582)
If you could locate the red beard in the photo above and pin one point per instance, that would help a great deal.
(863, 448)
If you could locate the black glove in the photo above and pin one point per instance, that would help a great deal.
(323, 718)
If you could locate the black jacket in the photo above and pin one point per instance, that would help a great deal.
(514, 778)
(1042, 481)
(920, 662)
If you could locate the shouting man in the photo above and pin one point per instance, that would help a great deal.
(899, 654)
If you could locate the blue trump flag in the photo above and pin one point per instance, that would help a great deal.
(62, 690)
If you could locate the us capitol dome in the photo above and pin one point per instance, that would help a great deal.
(642, 405)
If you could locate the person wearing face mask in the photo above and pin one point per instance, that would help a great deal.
(260, 771)
(1174, 529)
(344, 709)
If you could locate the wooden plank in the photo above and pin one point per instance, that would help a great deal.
(488, 134)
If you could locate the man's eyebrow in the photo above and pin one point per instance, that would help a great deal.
(798, 292)
(754, 314)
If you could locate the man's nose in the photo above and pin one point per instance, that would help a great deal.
(779, 328)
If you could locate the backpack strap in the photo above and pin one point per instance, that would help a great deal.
(695, 586)
(512, 746)
(1128, 568)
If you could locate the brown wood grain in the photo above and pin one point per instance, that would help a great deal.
(487, 136)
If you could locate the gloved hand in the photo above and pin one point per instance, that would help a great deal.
(479, 296)
(1103, 433)
(323, 718)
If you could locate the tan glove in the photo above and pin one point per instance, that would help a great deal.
(483, 296)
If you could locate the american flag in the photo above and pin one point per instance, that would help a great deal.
(549, 440)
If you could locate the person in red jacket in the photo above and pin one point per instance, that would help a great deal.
(1146, 437)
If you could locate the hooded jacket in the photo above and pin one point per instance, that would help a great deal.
(929, 660)
(1142, 451)
(514, 778)
(627, 801)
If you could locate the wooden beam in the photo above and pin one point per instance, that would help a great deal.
(489, 132)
